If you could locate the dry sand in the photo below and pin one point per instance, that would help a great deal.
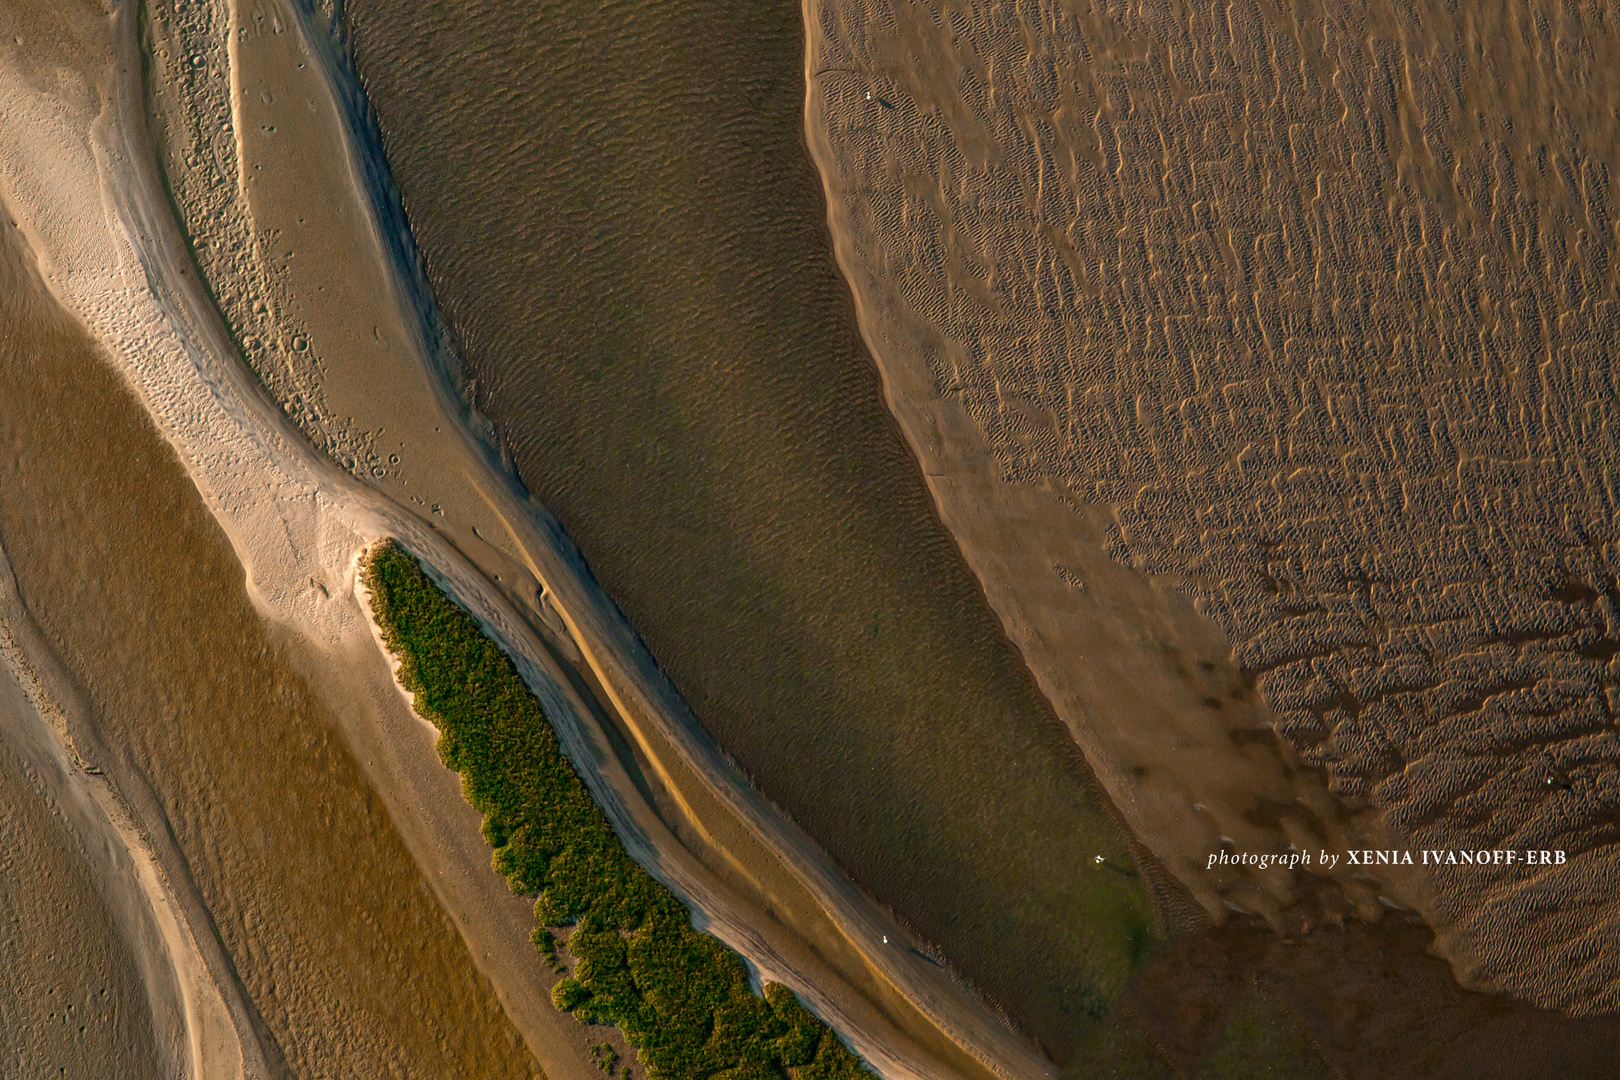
(111, 962)
(295, 525)
(1283, 337)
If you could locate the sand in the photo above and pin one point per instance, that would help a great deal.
(294, 525)
(627, 241)
(1281, 335)
(280, 856)
(196, 1020)
(110, 958)
(72, 997)
(238, 494)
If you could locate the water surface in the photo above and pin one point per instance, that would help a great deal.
(624, 233)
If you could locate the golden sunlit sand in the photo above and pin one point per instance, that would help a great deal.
(1234, 477)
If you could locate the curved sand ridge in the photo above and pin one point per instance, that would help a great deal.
(202, 1025)
(1258, 349)
(111, 254)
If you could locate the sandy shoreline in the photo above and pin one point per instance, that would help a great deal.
(717, 910)
(647, 297)
(204, 1026)
(296, 522)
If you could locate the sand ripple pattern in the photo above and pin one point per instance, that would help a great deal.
(1319, 307)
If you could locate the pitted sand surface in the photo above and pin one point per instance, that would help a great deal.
(1302, 320)
(71, 997)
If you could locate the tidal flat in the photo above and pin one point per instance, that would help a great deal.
(1302, 324)
(965, 808)
(351, 963)
(294, 276)
(622, 230)
(71, 995)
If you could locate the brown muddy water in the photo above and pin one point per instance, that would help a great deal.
(627, 240)
(347, 957)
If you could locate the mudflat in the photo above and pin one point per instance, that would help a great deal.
(71, 999)
(1298, 327)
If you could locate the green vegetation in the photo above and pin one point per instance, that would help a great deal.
(607, 1057)
(681, 998)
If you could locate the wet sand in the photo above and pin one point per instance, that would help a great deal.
(1291, 334)
(1261, 1018)
(342, 947)
(71, 996)
(316, 269)
(1368, 1003)
(628, 246)
(295, 524)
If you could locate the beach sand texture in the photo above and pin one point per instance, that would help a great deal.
(1301, 320)
(295, 522)
(622, 231)
(216, 714)
(71, 997)
(351, 963)
(293, 258)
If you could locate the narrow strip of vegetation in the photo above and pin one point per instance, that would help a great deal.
(680, 997)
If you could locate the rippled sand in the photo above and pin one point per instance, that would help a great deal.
(621, 228)
(71, 997)
(826, 628)
(1302, 322)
